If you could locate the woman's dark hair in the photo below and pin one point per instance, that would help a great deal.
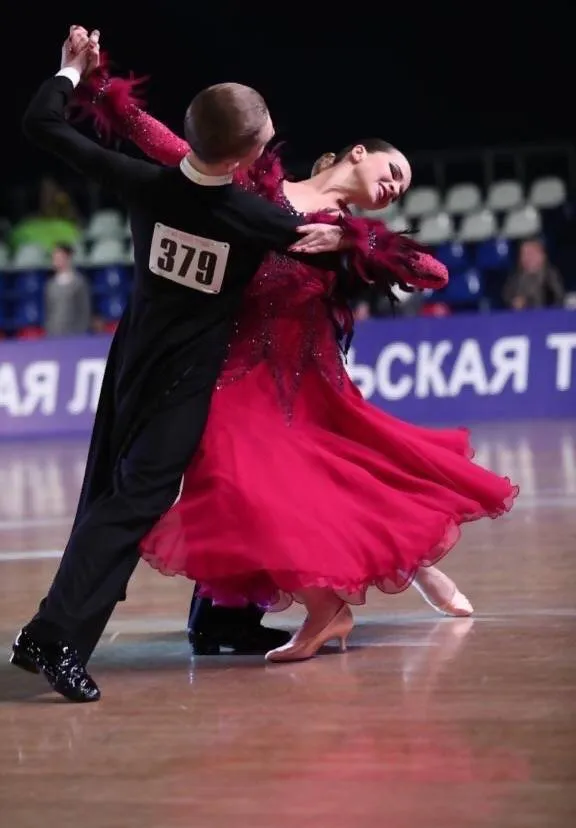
(370, 144)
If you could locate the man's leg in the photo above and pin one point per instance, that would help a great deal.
(103, 548)
(211, 628)
(91, 631)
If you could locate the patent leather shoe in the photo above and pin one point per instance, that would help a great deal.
(59, 663)
(244, 641)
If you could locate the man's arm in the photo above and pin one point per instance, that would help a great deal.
(45, 125)
(271, 227)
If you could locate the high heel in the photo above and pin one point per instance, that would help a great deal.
(301, 647)
(457, 606)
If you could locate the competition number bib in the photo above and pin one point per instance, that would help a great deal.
(188, 260)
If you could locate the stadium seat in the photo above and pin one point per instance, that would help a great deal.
(435, 309)
(398, 224)
(3, 307)
(478, 227)
(493, 254)
(30, 256)
(464, 288)
(454, 256)
(31, 332)
(547, 193)
(106, 252)
(29, 283)
(384, 214)
(80, 254)
(462, 199)
(110, 306)
(111, 279)
(522, 223)
(504, 195)
(28, 312)
(423, 201)
(106, 224)
(436, 229)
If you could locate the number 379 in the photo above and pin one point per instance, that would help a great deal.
(181, 258)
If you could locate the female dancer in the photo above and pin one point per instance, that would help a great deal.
(301, 488)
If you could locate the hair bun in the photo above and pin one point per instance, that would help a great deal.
(325, 161)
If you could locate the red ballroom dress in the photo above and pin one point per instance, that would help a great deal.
(299, 481)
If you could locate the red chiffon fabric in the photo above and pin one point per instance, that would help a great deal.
(345, 496)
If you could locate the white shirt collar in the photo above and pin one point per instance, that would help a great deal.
(201, 178)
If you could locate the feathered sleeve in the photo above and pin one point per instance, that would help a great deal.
(380, 257)
(375, 255)
(115, 105)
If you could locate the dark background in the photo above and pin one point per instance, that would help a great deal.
(424, 78)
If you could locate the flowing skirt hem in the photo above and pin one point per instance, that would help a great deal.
(275, 590)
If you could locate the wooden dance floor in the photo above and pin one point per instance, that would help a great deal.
(425, 723)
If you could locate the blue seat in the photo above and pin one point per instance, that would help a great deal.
(454, 255)
(29, 283)
(28, 311)
(4, 312)
(112, 278)
(464, 288)
(493, 254)
(111, 305)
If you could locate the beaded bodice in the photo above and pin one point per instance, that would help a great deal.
(285, 321)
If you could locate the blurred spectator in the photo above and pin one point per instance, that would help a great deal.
(374, 304)
(534, 283)
(67, 297)
(56, 221)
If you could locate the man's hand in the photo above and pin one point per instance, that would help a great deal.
(318, 238)
(81, 51)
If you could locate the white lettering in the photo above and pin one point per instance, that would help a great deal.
(468, 370)
(361, 375)
(510, 359)
(429, 377)
(563, 344)
(89, 376)
(9, 394)
(40, 388)
(388, 388)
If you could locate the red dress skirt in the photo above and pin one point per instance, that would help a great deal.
(300, 482)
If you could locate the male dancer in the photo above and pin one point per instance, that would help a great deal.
(198, 240)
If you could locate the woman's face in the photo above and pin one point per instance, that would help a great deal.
(379, 177)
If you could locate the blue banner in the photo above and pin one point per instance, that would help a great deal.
(469, 368)
(460, 369)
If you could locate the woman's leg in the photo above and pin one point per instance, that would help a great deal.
(441, 592)
(328, 618)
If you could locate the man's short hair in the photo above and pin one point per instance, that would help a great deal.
(65, 248)
(224, 122)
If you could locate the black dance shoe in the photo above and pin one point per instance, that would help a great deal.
(250, 640)
(59, 663)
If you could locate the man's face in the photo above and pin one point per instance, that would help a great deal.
(60, 260)
(532, 256)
